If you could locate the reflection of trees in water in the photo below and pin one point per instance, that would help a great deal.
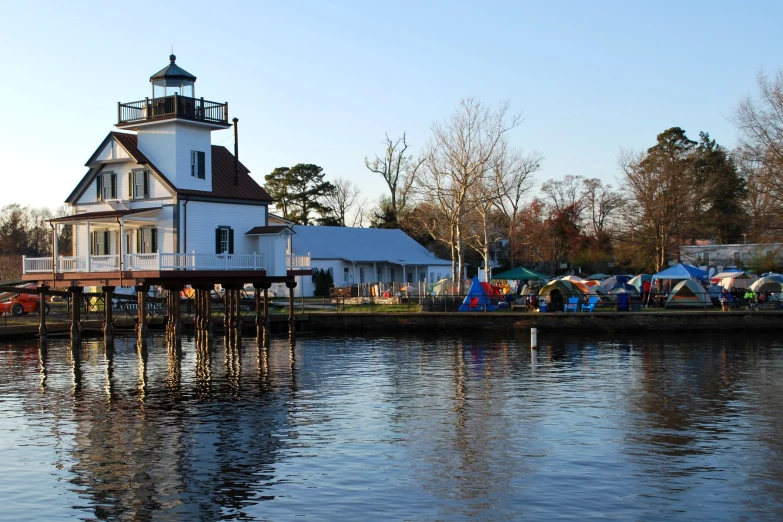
(176, 447)
(450, 400)
(691, 404)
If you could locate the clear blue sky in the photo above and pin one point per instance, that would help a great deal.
(322, 81)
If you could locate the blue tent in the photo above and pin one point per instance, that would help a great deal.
(477, 299)
(680, 272)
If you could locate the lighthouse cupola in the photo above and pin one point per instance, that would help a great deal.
(174, 127)
(172, 80)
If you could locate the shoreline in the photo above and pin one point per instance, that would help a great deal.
(680, 321)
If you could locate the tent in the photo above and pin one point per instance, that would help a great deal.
(624, 288)
(680, 272)
(715, 278)
(599, 276)
(729, 280)
(766, 284)
(639, 280)
(613, 281)
(520, 273)
(562, 286)
(688, 294)
(477, 299)
(445, 287)
(492, 291)
(558, 291)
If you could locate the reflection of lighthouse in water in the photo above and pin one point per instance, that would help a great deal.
(155, 438)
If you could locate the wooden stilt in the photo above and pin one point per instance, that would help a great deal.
(267, 324)
(197, 315)
(259, 324)
(226, 308)
(209, 325)
(108, 321)
(142, 329)
(42, 333)
(237, 315)
(76, 327)
(291, 320)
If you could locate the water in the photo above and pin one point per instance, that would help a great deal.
(395, 428)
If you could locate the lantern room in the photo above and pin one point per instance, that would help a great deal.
(172, 80)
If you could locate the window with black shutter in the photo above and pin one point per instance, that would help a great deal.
(106, 184)
(99, 243)
(198, 164)
(147, 240)
(140, 184)
(224, 240)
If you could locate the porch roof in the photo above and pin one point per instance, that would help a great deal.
(102, 215)
(272, 229)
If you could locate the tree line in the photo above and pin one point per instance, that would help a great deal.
(25, 231)
(470, 192)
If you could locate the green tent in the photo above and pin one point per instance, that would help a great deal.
(520, 273)
(688, 294)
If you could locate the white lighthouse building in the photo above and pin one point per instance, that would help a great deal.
(159, 199)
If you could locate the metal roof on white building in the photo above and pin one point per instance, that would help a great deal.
(362, 245)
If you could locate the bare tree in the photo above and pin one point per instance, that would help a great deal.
(600, 204)
(397, 170)
(513, 178)
(764, 210)
(344, 203)
(760, 123)
(567, 194)
(458, 157)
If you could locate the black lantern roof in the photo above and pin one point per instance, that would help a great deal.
(173, 72)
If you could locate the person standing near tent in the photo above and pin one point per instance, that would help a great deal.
(646, 291)
(724, 300)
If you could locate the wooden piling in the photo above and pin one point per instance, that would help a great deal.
(141, 294)
(42, 333)
(291, 319)
(76, 326)
(108, 321)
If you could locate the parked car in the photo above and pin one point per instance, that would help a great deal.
(22, 304)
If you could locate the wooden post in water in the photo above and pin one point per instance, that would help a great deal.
(108, 322)
(76, 327)
(176, 304)
(291, 320)
(267, 323)
(208, 324)
(259, 324)
(141, 297)
(42, 333)
(533, 338)
(226, 309)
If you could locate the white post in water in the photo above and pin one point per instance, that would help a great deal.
(533, 338)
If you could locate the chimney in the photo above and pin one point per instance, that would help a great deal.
(236, 152)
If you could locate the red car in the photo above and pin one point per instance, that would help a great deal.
(21, 304)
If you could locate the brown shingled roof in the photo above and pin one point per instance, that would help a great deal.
(223, 185)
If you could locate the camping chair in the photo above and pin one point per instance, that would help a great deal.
(571, 305)
(590, 305)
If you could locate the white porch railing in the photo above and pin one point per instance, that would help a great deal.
(155, 261)
(295, 262)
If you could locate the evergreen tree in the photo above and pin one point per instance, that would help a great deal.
(299, 191)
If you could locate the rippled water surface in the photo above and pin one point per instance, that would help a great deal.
(394, 428)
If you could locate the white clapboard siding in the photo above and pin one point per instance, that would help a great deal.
(204, 217)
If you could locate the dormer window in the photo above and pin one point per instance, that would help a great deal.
(107, 186)
(198, 164)
(139, 184)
